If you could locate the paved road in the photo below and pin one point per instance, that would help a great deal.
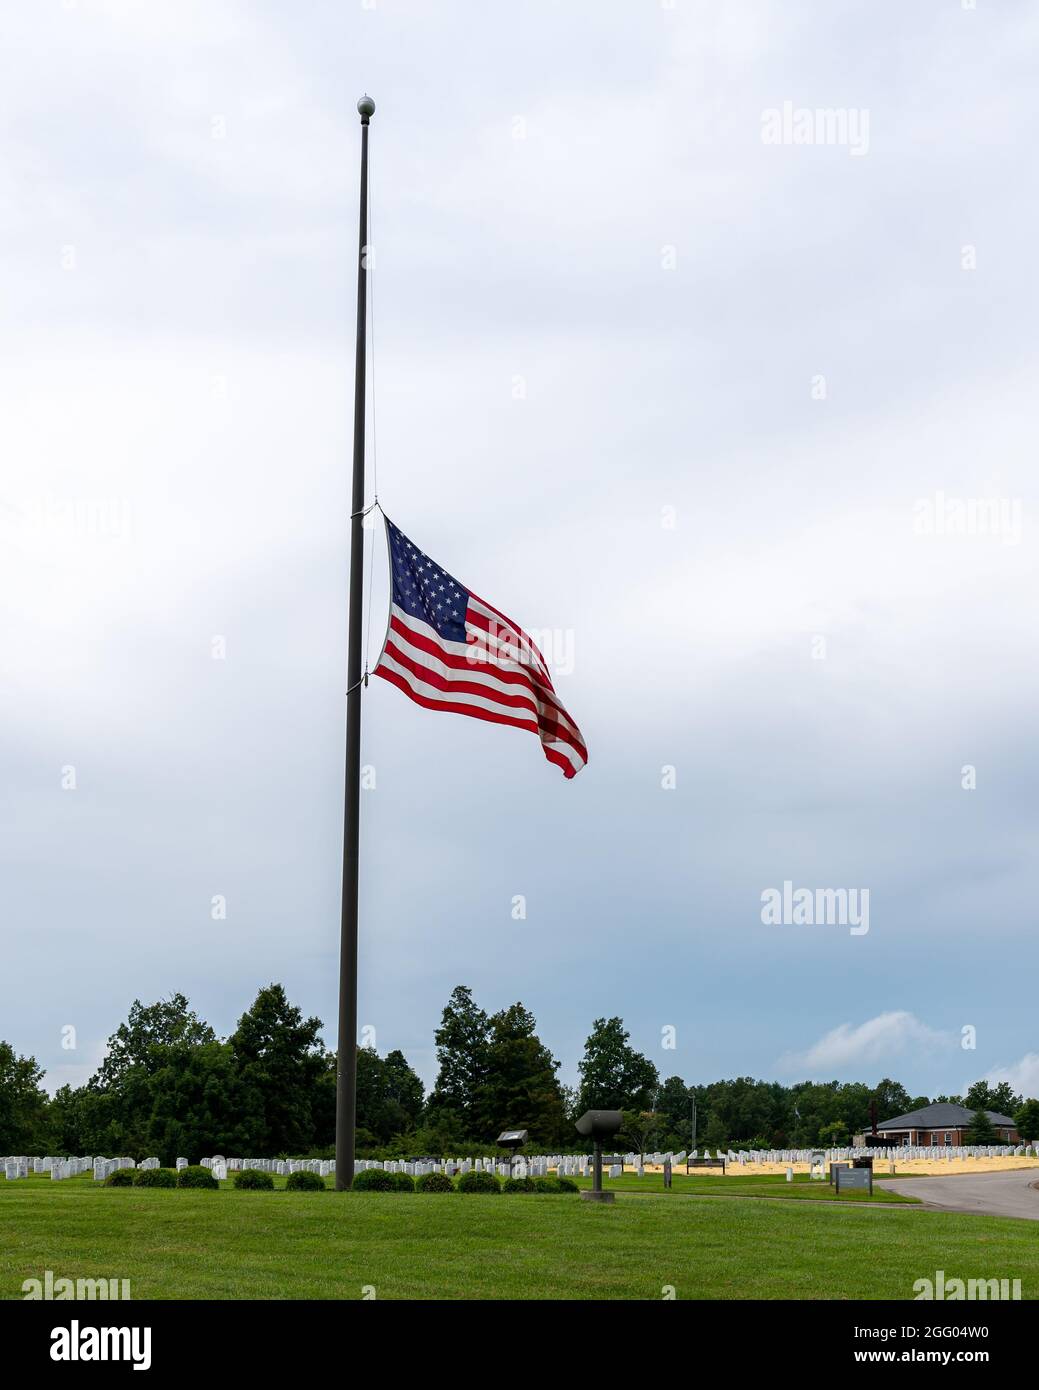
(995, 1194)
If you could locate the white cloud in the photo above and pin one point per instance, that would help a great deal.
(887, 1037)
(1022, 1075)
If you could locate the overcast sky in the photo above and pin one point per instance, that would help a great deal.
(667, 364)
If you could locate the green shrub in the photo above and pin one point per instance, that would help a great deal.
(305, 1182)
(122, 1177)
(197, 1176)
(253, 1180)
(434, 1182)
(373, 1180)
(401, 1182)
(567, 1185)
(476, 1180)
(519, 1185)
(548, 1183)
(154, 1177)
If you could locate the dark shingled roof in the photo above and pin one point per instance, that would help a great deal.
(943, 1116)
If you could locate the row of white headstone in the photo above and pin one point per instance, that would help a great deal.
(220, 1167)
(569, 1165)
(60, 1168)
(934, 1151)
(19, 1166)
(566, 1165)
(105, 1166)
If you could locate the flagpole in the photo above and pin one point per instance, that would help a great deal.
(346, 1076)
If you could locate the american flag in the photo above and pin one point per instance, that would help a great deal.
(448, 649)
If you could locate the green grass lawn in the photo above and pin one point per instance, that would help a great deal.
(239, 1245)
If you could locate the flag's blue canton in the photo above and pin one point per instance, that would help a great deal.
(424, 590)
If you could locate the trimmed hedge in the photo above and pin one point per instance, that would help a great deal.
(197, 1176)
(305, 1182)
(122, 1177)
(553, 1185)
(373, 1180)
(547, 1183)
(154, 1177)
(518, 1185)
(434, 1182)
(476, 1180)
(253, 1180)
(401, 1182)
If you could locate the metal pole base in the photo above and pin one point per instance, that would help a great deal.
(588, 1194)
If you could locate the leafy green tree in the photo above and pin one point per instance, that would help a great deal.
(816, 1104)
(23, 1102)
(715, 1135)
(369, 1090)
(86, 1120)
(675, 1103)
(520, 1086)
(1002, 1098)
(324, 1103)
(279, 1060)
(199, 1105)
(743, 1108)
(571, 1114)
(892, 1099)
(981, 1130)
(440, 1134)
(853, 1100)
(834, 1135)
(68, 1121)
(404, 1089)
(1026, 1121)
(113, 1112)
(613, 1075)
(389, 1095)
(643, 1130)
(462, 1043)
(150, 1026)
(978, 1097)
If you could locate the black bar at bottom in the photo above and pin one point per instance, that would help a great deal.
(267, 1338)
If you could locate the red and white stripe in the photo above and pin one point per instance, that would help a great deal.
(497, 674)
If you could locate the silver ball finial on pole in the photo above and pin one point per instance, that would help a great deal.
(367, 108)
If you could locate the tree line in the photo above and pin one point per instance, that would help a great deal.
(168, 1086)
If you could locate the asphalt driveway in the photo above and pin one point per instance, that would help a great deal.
(995, 1194)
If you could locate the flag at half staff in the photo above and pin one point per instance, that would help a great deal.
(448, 649)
